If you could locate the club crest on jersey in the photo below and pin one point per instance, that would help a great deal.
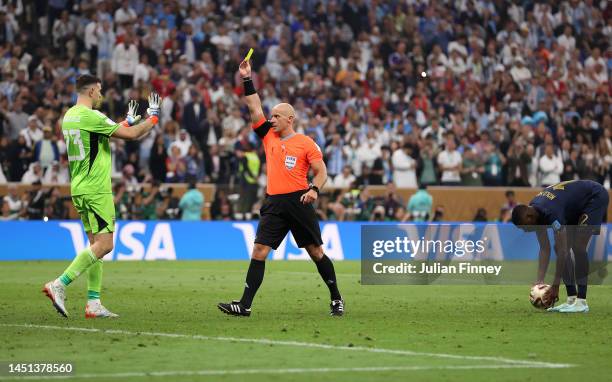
(290, 162)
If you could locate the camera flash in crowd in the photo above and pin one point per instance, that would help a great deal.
(423, 74)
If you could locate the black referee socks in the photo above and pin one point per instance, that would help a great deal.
(255, 276)
(328, 274)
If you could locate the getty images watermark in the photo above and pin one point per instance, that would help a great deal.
(466, 253)
(410, 248)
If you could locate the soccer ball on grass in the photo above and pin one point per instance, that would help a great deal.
(536, 296)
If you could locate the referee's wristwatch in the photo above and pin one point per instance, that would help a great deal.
(311, 186)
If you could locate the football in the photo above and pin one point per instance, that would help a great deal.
(536, 296)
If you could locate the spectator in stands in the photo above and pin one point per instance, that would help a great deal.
(366, 178)
(194, 164)
(221, 207)
(56, 174)
(14, 204)
(450, 163)
(248, 172)
(472, 169)
(344, 179)
(493, 163)
(510, 200)
(106, 46)
(56, 207)
(438, 214)
(570, 167)
(33, 133)
(2, 176)
(124, 61)
(175, 166)
(518, 162)
(368, 152)
(157, 158)
(191, 203)
(381, 167)
(37, 198)
(481, 215)
(217, 166)
(195, 119)
(419, 205)
(124, 16)
(4, 153)
(336, 156)
(505, 215)
(136, 206)
(142, 72)
(551, 167)
(168, 207)
(392, 201)
(587, 166)
(129, 176)
(519, 72)
(64, 30)
(233, 123)
(364, 206)
(34, 174)
(427, 165)
(183, 142)
(121, 199)
(46, 150)
(404, 167)
(19, 158)
(17, 118)
(151, 196)
(604, 159)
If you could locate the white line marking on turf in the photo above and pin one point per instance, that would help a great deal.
(265, 341)
(312, 273)
(187, 373)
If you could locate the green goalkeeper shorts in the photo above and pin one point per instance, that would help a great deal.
(97, 212)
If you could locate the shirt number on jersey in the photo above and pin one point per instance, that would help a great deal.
(76, 139)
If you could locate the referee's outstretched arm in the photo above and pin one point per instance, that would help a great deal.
(251, 96)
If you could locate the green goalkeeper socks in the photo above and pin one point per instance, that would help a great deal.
(94, 280)
(80, 263)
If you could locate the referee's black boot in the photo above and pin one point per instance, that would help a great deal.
(234, 308)
(337, 308)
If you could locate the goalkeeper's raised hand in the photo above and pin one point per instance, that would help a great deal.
(154, 105)
(132, 118)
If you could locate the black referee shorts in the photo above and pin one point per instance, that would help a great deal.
(284, 212)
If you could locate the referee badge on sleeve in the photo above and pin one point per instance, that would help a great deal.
(290, 161)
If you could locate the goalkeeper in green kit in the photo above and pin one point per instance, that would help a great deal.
(87, 134)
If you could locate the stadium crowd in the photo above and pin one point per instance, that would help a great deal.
(398, 93)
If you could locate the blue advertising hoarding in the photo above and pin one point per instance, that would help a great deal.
(205, 240)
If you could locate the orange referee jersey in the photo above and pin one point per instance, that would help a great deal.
(287, 159)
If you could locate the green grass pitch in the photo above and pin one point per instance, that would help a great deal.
(170, 328)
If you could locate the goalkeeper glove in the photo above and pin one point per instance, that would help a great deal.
(132, 118)
(154, 105)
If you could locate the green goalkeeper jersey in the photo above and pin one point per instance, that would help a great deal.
(87, 133)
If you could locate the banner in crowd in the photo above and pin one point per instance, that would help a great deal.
(206, 240)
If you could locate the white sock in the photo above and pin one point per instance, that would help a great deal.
(571, 299)
(581, 301)
(58, 283)
(96, 301)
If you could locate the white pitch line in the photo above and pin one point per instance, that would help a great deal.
(272, 271)
(265, 341)
(187, 373)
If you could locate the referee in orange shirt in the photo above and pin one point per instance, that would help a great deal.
(288, 204)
